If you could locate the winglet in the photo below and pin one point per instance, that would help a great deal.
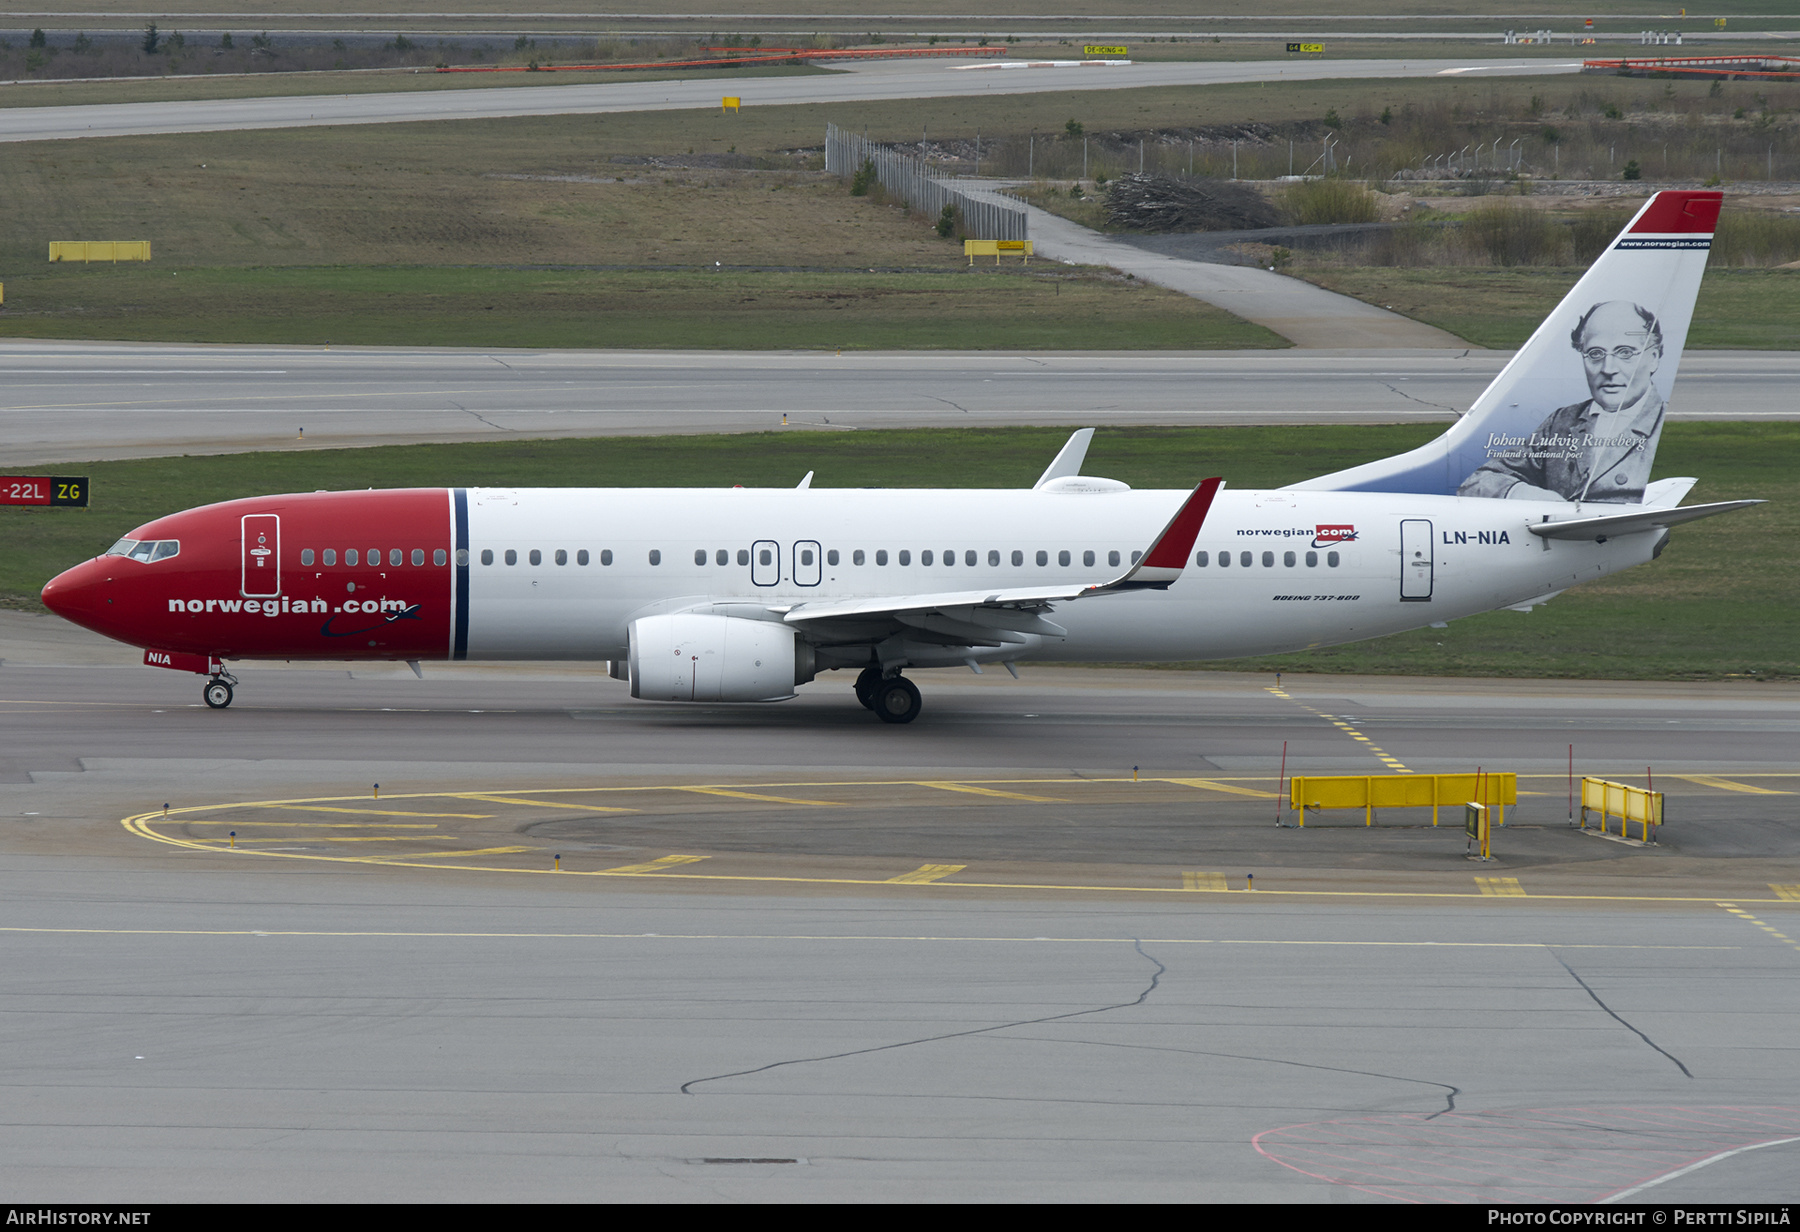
(1162, 563)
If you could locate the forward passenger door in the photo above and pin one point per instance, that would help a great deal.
(765, 562)
(807, 564)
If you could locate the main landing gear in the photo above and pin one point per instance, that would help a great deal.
(894, 699)
(218, 690)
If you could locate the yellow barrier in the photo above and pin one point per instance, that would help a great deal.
(1370, 792)
(100, 250)
(993, 248)
(1619, 800)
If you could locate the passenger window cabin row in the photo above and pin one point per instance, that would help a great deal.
(1247, 559)
(721, 557)
(396, 557)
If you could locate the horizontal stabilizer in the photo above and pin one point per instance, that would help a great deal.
(1615, 524)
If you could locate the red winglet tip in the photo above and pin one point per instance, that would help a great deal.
(1170, 551)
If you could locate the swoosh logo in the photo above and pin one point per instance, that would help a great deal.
(409, 613)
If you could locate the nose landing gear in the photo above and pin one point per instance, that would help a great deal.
(218, 690)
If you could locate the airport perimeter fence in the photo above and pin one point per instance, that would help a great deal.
(907, 179)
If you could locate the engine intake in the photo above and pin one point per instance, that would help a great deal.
(691, 657)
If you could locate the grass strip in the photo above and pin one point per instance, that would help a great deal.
(1005, 309)
(1737, 309)
(1721, 603)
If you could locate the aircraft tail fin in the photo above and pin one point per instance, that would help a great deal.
(1578, 412)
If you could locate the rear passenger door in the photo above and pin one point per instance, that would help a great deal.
(1415, 561)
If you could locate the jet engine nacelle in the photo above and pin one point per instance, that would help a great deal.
(690, 657)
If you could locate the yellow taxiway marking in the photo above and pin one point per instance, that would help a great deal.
(333, 838)
(146, 825)
(142, 825)
(655, 866)
(369, 812)
(925, 874)
(1216, 785)
(750, 795)
(1708, 780)
(1063, 782)
(1789, 892)
(989, 791)
(1387, 759)
(1750, 919)
(486, 798)
(1203, 881)
(1500, 887)
(457, 855)
(317, 825)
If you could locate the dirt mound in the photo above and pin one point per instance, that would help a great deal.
(1166, 203)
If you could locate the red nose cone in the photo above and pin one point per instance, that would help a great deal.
(81, 595)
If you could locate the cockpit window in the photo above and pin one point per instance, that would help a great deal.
(146, 549)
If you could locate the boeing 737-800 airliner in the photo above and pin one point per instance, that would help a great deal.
(743, 595)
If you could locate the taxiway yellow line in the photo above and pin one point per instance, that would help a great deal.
(925, 874)
(1222, 782)
(654, 866)
(1707, 780)
(141, 825)
(317, 825)
(332, 838)
(750, 795)
(491, 799)
(1217, 785)
(369, 812)
(457, 855)
(1748, 918)
(972, 790)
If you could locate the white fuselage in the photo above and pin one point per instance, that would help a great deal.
(1323, 567)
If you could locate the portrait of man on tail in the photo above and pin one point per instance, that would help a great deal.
(1600, 449)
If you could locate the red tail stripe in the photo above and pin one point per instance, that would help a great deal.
(1681, 213)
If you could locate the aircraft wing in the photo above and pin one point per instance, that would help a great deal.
(1613, 524)
(1157, 569)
